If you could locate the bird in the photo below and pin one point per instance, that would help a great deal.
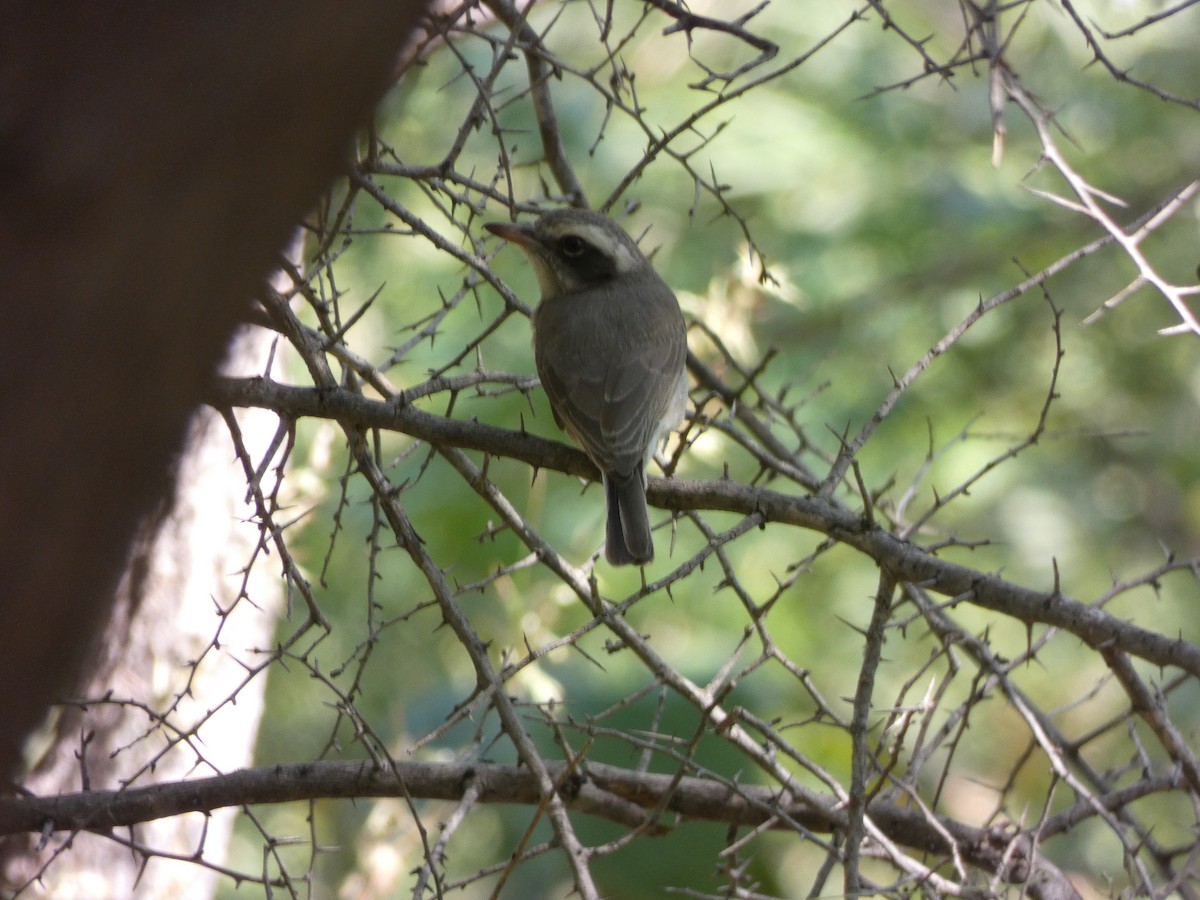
(610, 346)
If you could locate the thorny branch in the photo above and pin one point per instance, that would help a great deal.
(439, 421)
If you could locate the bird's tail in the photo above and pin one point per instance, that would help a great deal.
(627, 536)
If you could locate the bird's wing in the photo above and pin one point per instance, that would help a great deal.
(576, 393)
(610, 379)
(638, 394)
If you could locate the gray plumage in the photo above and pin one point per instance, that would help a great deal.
(610, 346)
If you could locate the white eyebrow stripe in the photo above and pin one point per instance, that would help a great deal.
(626, 259)
(611, 245)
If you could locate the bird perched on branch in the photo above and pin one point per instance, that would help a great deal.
(610, 348)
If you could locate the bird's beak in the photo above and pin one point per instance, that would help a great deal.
(521, 235)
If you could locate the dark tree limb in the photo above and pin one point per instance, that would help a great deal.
(622, 795)
(906, 560)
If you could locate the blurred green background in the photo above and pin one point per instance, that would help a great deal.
(883, 222)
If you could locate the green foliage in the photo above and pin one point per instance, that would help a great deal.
(878, 222)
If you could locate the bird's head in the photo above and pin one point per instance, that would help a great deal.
(573, 249)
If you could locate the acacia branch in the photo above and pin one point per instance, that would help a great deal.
(621, 795)
(540, 72)
(1090, 203)
(907, 561)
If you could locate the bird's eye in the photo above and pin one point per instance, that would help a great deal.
(572, 246)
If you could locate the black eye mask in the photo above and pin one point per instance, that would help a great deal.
(588, 263)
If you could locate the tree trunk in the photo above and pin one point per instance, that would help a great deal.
(194, 608)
